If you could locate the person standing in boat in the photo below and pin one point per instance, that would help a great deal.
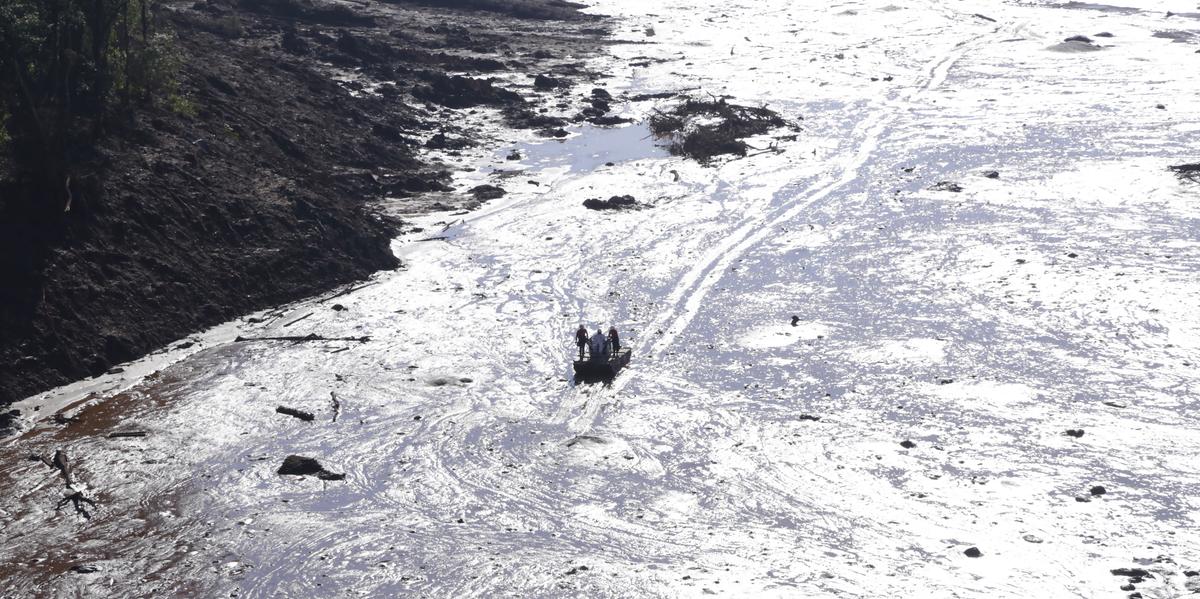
(581, 339)
(599, 346)
(614, 340)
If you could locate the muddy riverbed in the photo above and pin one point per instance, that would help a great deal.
(937, 339)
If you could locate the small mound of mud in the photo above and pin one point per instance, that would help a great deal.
(613, 203)
(487, 192)
(1075, 45)
(705, 129)
(456, 91)
(1190, 172)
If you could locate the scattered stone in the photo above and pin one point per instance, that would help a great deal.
(992, 174)
(1104, 34)
(487, 192)
(337, 307)
(1079, 38)
(1032, 539)
(795, 320)
(1097, 491)
(84, 569)
(810, 417)
(1113, 404)
(1072, 255)
(973, 552)
(946, 186)
(513, 155)
(907, 444)
(577, 569)
(945, 381)
(1082, 499)
(1161, 106)
(1127, 587)
(1074, 432)
(626, 202)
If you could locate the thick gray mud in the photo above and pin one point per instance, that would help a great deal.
(917, 407)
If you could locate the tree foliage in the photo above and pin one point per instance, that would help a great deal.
(70, 67)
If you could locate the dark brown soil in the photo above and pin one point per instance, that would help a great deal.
(256, 188)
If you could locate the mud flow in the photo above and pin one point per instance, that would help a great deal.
(930, 333)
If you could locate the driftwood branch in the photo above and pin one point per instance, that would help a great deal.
(337, 405)
(300, 338)
(305, 416)
(297, 320)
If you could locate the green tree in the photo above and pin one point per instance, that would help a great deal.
(66, 64)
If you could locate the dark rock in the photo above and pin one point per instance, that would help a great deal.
(577, 569)
(548, 82)
(973, 552)
(1097, 491)
(992, 174)
(609, 121)
(795, 320)
(1104, 34)
(945, 381)
(441, 141)
(907, 444)
(1130, 572)
(553, 132)
(487, 192)
(295, 465)
(1082, 499)
(1191, 573)
(1074, 432)
(84, 569)
(337, 308)
(521, 117)
(946, 186)
(1072, 255)
(1161, 106)
(514, 155)
(600, 93)
(625, 202)
(1127, 587)
(810, 418)
(1079, 38)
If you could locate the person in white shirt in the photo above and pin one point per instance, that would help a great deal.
(599, 346)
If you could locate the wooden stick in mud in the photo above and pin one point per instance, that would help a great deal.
(305, 416)
(299, 338)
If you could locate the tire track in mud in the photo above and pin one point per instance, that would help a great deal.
(685, 302)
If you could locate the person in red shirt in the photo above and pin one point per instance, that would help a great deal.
(581, 339)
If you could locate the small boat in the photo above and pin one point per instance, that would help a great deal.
(600, 369)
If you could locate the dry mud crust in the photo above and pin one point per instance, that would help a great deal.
(254, 187)
(705, 129)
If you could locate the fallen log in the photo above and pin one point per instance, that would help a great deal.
(297, 320)
(305, 416)
(300, 338)
(126, 434)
